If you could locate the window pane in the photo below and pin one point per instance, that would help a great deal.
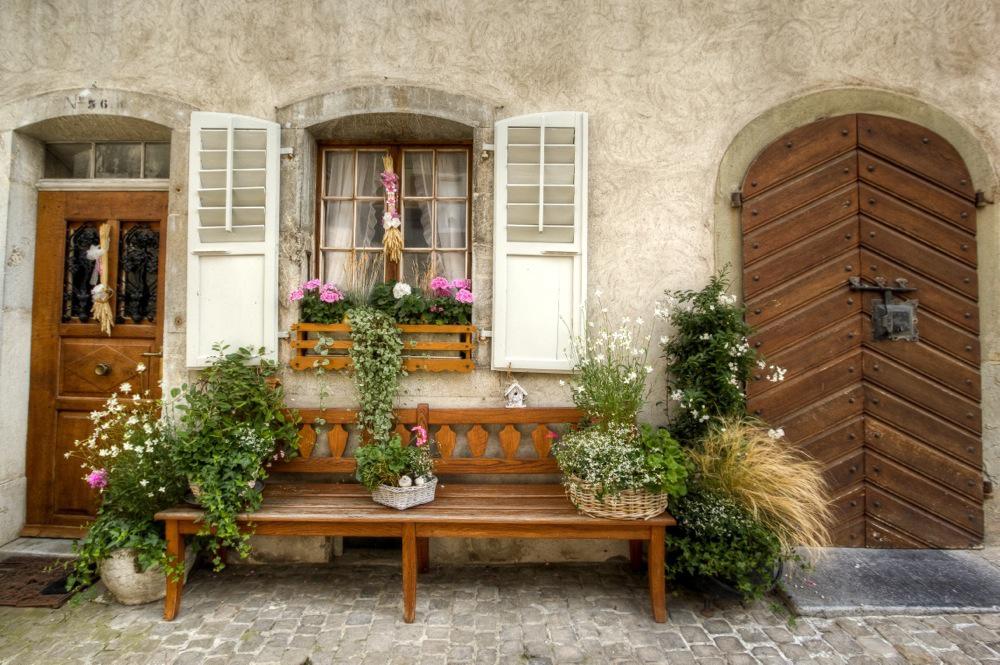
(335, 267)
(337, 217)
(339, 173)
(370, 169)
(451, 264)
(417, 224)
(67, 160)
(418, 169)
(157, 163)
(416, 268)
(363, 270)
(369, 229)
(451, 224)
(117, 160)
(452, 174)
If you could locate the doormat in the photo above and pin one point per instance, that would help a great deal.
(849, 581)
(28, 582)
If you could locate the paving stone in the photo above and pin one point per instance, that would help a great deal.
(476, 615)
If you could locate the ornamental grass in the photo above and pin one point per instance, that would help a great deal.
(745, 461)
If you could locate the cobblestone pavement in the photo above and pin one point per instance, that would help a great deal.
(475, 614)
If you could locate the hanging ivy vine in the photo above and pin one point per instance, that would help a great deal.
(377, 357)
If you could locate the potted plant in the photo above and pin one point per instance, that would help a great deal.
(233, 423)
(753, 497)
(612, 466)
(398, 476)
(127, 459)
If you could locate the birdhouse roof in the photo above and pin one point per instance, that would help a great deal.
(514, 385)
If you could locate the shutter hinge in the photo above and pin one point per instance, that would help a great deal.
(981, 199)
(736, 200)
(287, 152)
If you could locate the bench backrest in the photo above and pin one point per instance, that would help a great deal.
(470, 441)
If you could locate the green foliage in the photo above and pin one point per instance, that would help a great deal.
(412, 308)
(129, 453)
(623, 457)
(716, 538)
(609, 383)
(376, 356)
(234, 422)
(384, 463)
(708, 359)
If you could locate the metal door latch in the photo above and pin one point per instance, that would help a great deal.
(894, 321)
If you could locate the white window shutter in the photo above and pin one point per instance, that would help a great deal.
(540, 240)
(232, 276)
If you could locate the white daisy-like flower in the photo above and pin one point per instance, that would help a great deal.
(143, 482)
(126, 387)
(140, 368)
(776, 434)
(664, 339)
(561, 382)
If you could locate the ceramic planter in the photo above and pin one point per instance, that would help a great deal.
(121, 576)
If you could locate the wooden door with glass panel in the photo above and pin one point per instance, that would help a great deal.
(74, 365)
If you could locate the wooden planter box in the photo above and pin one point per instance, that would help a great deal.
(426, 348)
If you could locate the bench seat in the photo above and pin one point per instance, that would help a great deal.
(459, 510)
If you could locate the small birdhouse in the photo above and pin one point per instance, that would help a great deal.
(515, 396)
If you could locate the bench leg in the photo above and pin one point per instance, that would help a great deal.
(424, 555)
(409, 572)
(635, 555)
(175, 553)
(657, 582)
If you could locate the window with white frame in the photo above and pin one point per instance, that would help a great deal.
(435, 193)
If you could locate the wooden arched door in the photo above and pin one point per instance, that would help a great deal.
(895, 422)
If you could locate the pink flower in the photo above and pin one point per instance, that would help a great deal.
(464, 296)
(440, 286)
(551, 435)
(297, 294)
(330, 296)
(462, 284)
(98, 479)
(312, 284)
(421, 434)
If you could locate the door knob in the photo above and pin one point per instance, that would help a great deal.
(102, 369)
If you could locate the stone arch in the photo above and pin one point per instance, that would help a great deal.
(760, 132)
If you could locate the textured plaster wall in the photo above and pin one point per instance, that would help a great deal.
(669, 86)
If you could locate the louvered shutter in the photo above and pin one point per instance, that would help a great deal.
(232, 235)
(540, 240)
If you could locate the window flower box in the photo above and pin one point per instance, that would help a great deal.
(426, 348)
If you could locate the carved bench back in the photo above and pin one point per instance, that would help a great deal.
(469, 441)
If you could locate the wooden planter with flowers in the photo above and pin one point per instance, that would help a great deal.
(426, 348)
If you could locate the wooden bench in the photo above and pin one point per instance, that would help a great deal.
(472, 442)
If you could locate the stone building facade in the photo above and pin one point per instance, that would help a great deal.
(681, 97)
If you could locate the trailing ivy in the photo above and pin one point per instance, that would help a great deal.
(376, 355)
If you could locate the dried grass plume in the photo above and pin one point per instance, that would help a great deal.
(772, 480)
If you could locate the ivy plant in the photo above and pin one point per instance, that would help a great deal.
(377, 360)
(233, 423)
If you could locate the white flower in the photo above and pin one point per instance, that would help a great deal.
(677, 395)
(561, 382)
(401, 289)
(125, 387)
(761, 364)
(140, 368)
(150, 495)
(143, 482)
(776, 433)
(162, 490)
(664, 339)
(598, 293)
(705, 337)
(639, 321)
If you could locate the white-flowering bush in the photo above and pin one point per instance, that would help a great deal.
(612, 362)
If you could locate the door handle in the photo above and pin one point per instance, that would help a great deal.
(102, 369)
(152, 354)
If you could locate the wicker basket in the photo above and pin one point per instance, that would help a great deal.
(402, 498)
(626, 505)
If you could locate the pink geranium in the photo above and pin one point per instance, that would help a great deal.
(441, 286)
(464, 296)
(98, 479)
(297, 294)
(420, 433)
(312, 284)
(331, 296)
(462, 284)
